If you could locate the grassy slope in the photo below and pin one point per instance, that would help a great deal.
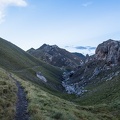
(7, 96)
(45, 106)
(13, 58)
(18, 61)
(105, 95)
(104, 92)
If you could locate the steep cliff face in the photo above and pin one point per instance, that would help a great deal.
(109, 51)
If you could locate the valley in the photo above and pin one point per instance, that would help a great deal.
(76, 89)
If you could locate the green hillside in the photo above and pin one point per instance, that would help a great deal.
(14, 59)
(43, 105)
(8, 96)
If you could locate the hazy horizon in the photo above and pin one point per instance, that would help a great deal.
(66, 23)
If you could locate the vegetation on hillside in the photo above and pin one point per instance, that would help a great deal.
(8, 97)
(44, 106)
(14, 59)
(46, 101)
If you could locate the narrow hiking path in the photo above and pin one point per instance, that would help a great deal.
(22, 103)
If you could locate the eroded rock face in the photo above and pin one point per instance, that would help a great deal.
(73, 88)
(109, 51)
(102, 66)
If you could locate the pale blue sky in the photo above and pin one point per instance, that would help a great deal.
(31, 23)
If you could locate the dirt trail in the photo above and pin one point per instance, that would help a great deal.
(22, 103)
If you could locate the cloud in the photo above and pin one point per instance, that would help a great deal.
(91, 48)
(80, 47)
(85, 47)
(67, 46)
(86, 4)
(2, 15)
(4, 4)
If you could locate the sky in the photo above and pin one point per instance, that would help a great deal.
(76, 25)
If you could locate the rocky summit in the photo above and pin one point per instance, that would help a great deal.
(56, 56)
(109, 51)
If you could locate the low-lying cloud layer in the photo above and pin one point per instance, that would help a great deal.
(4, 4)
(86, 47)
(82, 49)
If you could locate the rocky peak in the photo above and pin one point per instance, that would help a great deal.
(108, 51)
(31, 50)
(102, 66)
(48, 48)
(56, 56)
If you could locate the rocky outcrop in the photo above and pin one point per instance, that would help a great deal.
(109, 51)
(103, 66)
(82, 57)
(72, 88)
(41, 77)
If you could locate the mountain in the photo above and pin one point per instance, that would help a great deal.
(91, 92)
(56, 56)
(109, 51)
(97, 79)
(15, 60)
(79, 55)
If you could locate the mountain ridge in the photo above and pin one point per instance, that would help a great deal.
(56, 56)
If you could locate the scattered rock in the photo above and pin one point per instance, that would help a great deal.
(41, 77)
(72, 88)
(96, 71)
